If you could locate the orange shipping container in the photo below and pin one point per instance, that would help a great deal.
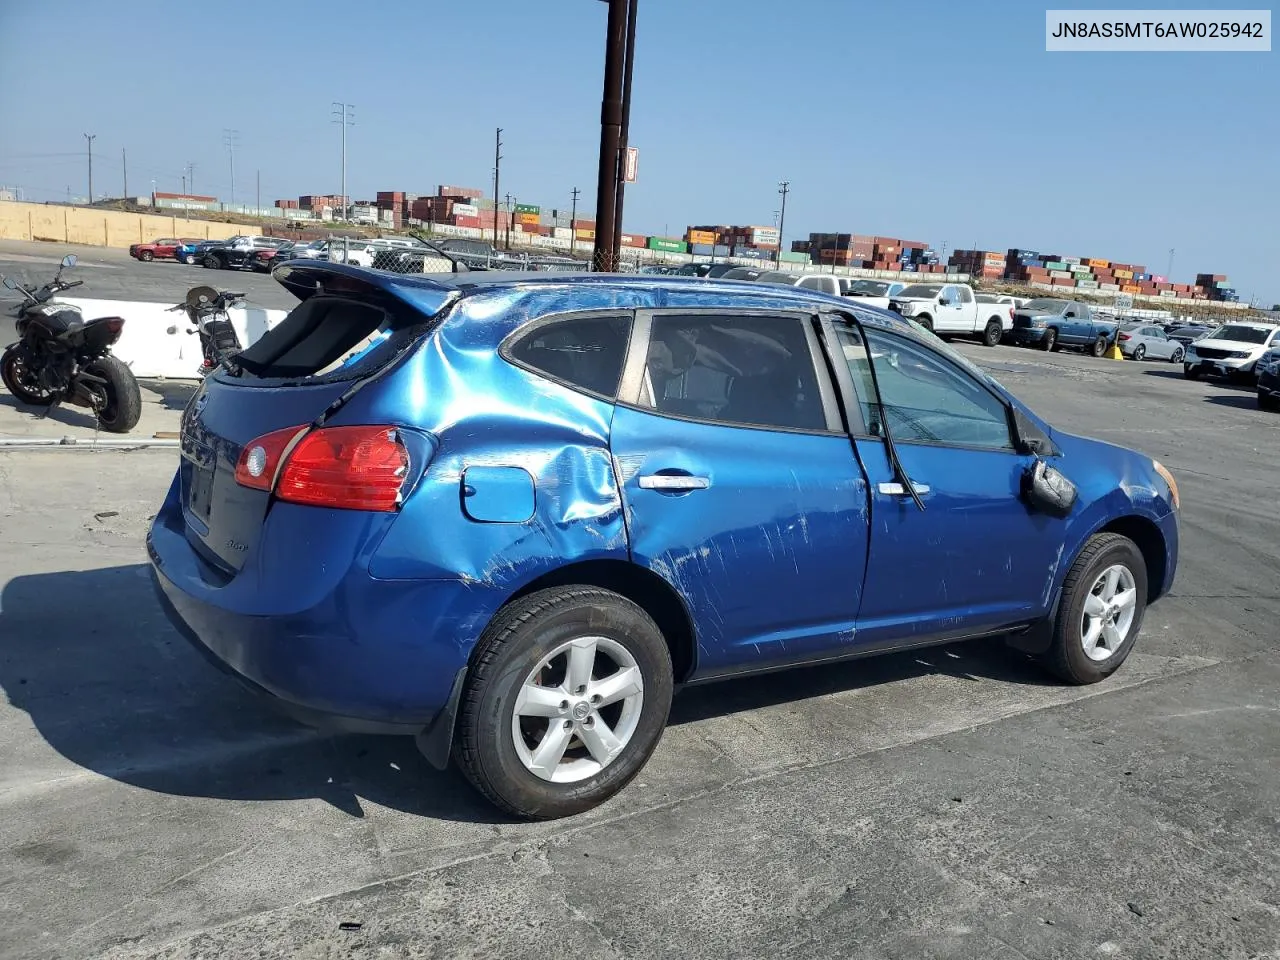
(1099, 263)
(1130, 288)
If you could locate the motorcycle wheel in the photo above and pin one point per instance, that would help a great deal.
(16, 377)
(121, 401)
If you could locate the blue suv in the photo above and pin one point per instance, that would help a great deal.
(511, 514)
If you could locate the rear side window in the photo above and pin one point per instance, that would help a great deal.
(752, 371)
(585, 352)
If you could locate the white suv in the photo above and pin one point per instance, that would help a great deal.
(1234, 349)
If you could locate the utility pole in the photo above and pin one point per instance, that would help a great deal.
(258, 209)
(191, 177)
(573, 220)
(497, 198)
(1169, 270)
(124, 170)
(610, 135)
(229, 139)
(344, 115)
(90, 137)
(783, 188)
(623, 133)
(506, 226)
(184, 184)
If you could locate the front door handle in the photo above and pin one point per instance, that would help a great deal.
(673, 482)
(898, 490)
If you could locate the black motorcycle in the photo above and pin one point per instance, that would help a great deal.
(61, 357)
(207, 309)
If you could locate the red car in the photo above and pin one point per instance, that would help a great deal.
(163, 249)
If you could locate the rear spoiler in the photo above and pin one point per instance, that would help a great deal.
(308, 277)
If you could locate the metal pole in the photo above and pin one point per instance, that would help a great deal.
(506, 225)
(497, 197)
(229, 138)
(124, 170)
(90, 137)
(783, 188)
(573, 221)
(258, 211)
(610, 132)
(623, 133)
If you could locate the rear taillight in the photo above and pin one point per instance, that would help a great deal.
(260, 458)
(1124, 336)
(352, 468)
(1011, 313)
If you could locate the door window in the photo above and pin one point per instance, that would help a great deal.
(585, 352)
(752, 371)
(966, 295)
(926, 398)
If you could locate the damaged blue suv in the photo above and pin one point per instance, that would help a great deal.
(511, 514)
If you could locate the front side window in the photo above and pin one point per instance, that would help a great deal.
(587, 352)
(966, 295)
(926, 399)
(752, 371)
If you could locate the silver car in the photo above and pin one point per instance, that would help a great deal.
(1141, 340)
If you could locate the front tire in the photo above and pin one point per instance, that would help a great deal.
(1190, 372)
(991, 336)
(213, 262)
(146, 256)
(1100, 614)
(16, 378)
(1268, 402)
(1139, 352)
(1177, 356)
(121, 406)
(1050, 341)
(567, 697)
(189, 259)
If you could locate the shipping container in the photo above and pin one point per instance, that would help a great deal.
(1169, 294)
(464, 221)
(1123, 274)
(466, 193)
(1087, 284)
(1112, 287)
(1130, 288)
(1070, 260)
(584, 234)
(1060, 282)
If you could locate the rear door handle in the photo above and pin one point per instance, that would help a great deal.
(898, 490)
(670, 482)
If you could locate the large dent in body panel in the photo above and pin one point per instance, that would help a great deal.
(487, 412)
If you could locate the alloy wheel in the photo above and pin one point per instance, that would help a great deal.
(1108, 614)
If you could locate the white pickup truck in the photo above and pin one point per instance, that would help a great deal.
(951, 308)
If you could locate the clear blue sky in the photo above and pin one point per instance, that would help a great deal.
(939, 121)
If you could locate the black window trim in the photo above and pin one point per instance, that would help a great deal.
(629, 390)
(832, 322)
(532, 326)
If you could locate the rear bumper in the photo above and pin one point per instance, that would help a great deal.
(351, 653)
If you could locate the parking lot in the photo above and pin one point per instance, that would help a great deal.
(956, 802)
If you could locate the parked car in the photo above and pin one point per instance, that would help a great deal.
(1185, 333)
(460, 511)
(237, 252)
(165, 248)
(952, 308)
(719, 270)
(1268, 371)
(874, 293)
(1137, 341)
(1050, 323)
(189, 251)
(476, 254)
(1232, 351)
(263, 260)
(1004, 298)
(742, 273)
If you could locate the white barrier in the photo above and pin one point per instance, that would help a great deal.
(155, 342)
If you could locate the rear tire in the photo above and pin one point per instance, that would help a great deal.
(146, 256)
(1100, 347)
(1050, 341)
(991, 336)
(497, 748)
(13, 372)
(122, 408)
(1094, 608)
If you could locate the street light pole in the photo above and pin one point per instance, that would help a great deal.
(345, 116)
(610, 135)
(624, 133)
(229, 138)
(783, 188)
(573, 220)
(90, 137)
(497, 197)
(124, 171)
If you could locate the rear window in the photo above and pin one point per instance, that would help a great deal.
(331, 338)
(585, 352)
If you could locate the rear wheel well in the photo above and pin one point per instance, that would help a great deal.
(1150, 542)
(642, 587)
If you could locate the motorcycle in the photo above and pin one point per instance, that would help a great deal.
(59, 357)
(207, 309)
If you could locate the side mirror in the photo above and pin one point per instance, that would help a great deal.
(1048, 490)
(69, 260)
(944, 302)
(11, 283)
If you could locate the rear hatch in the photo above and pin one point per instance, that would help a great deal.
(351, 326)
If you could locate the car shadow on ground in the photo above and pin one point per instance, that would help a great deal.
(112, 687)
(67, 415)
(1241, 401)
(174, 394)
(1213, 382)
